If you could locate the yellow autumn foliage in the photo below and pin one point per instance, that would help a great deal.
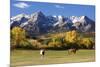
(71, 36)
(55, 44)
(88, 42)
(17, 36)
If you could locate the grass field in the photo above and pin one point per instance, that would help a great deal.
(32, 57)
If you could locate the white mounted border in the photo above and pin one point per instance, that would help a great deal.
(82, 2)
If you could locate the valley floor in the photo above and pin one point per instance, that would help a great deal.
(32, 57)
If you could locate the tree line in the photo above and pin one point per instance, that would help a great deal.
(65, 40)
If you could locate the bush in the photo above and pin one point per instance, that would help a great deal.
(36, 44)
(87, 43)
(55, 44)
(25, 44)
(46, 41)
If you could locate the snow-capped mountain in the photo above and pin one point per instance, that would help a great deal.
(19, 19)
(84, 24)
(38, 23)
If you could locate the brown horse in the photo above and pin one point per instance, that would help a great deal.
(72, 51)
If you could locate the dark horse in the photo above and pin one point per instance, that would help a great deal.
(72, 51)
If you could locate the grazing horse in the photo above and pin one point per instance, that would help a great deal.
(42, 53)
(72, 50)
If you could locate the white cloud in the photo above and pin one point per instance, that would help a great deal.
(21, 5)
(59, 6)
(84, 2)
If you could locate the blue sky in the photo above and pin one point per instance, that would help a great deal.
(18, 7)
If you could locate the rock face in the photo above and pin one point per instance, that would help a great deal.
(38, 23)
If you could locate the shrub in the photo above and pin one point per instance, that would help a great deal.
(46, 41)
(25, 44)
(86, 43)
(55, 44)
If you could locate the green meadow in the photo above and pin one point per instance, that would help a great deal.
(32, 57)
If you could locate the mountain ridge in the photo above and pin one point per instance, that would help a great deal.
(38, 23)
